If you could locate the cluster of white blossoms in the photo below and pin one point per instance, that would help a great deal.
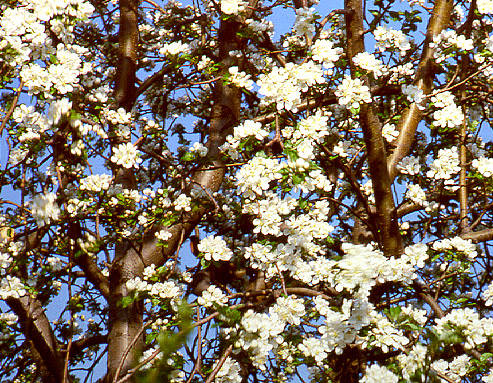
(338, 329)
(446, 165)
(215, 248)
(379, 374)
(183, 202)
(413, 94)
(62, 75)
(232, 7)
(457, 243)
(212, 296)
(96, 182)
(54, 263)
(126, 155)
(485, 6)
(5, 262)
(414, 360)
(304, 22)
(345, 148)
(44, 208)
(116, 117)
(285, 85)
(59, 109)
(447, 39)
(369, 63)
(260, 26)
(324, 52)
(229, 372)
(448, 115)
(409, 165)
(260, 333)
(248, 128)
(390, 38)
(416, 255)
(488, 295)
(416, 194)
(453, 370)
(163, 290)
(147, 354)
(199, 148)
(389, 132)
(163, 235)
(362, 267)
(269, 212)
(312, 128)
(240, 78)
(87, 243)
(31, 123)
(467, 323)
(254, 178)
(352, 92)
(383, 334)
(11, 287)
(302, 230)
(175, 48)
(289, 309)
(9, 319)
(484, 166)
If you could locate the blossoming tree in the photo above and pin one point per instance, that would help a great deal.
(332, 176)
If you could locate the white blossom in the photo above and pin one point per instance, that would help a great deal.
(485, 6)
(446, 165)
(44, 208)
(352, 92)
(409, 165)
(215, 248)
(213, 295)
(126, 155)
(484, 166)
(379, 374)
(324, 52)
(370, 63)
(240, 78)
(232, 7)
(11, 287)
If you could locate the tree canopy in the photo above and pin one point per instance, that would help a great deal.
(242, 191)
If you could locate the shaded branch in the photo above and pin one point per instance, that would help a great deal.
(385, 217)
(37, 329)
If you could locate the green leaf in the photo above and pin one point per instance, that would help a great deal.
(127, 301)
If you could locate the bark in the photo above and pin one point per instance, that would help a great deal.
(385, 217)
(479, 236)
(128, 43)
(224, 116)
(37, 329)
(124, 323)
(130, 260)
(412, 115)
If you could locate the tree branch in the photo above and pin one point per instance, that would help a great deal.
(37, 329)
(386, 218)
(408, 123)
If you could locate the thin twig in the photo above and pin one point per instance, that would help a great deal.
(199, 349)
(220, 363)
(138, 366)
(12, 107)
(129, 347)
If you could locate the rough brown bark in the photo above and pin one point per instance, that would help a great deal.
(385, 217)
(124, 323)
(129, 260)
(37, 328)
